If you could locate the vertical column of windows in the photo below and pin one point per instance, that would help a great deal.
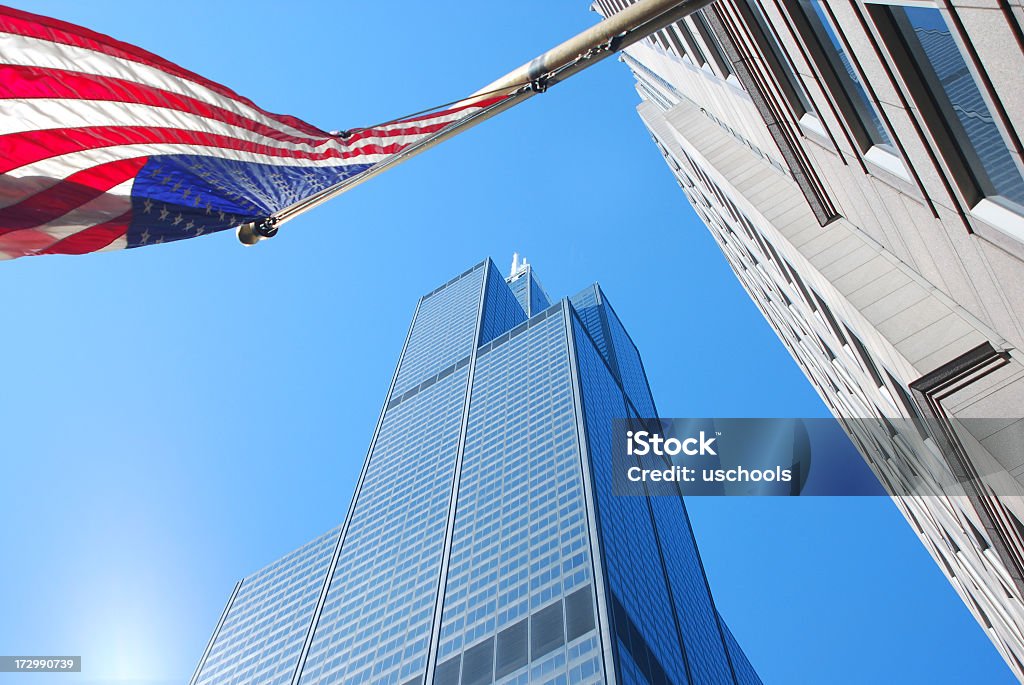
(520, 562)
(263, 632)
(645, 630)
(984, 159)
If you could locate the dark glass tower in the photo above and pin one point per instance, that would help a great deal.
(483, 543)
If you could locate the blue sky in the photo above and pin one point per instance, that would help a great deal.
(177, 417)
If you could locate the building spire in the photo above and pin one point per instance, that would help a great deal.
(518, 266)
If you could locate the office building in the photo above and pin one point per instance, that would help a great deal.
(483, 543)
(859, 163)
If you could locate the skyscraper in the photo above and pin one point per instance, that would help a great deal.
(859, 163)
(483, 543)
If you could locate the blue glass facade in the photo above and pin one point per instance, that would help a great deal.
(528, 291)
(263, 629)
(483, 543)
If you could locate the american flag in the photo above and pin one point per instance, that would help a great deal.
(106, 146)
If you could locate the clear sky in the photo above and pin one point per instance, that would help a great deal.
(177, 417)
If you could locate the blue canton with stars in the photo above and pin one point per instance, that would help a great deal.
(184, 196)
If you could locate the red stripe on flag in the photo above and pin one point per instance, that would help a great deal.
(29, 147)
(24, 243)
(72, 192)
(475, 104)
(61, 32)
(92, 238)
(25, 83)
(383, 132)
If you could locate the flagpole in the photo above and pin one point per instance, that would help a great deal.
(615, 33)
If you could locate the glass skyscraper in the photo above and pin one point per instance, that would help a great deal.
(483, 543)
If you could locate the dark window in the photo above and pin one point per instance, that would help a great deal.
(831, 320)
(909, 406)
(718, 56)
(478, 664)
(978, 537)
(579, 613)
(448, 672)
(802, 288)
(511, 649)
(546, 631)
(786, 76)
(866, 361)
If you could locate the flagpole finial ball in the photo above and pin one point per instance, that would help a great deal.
(253, 232)
(247, 234)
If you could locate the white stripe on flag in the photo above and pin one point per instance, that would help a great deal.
(21, 116)
(98, 211)
(25, 51)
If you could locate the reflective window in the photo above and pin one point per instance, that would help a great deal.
(646, 629)
(539, 300)
(722, 64)
(958, 101)
(267, 621)
(442, 331)
(502, 308)
(788, 80)
(520, 542)
(839, 61)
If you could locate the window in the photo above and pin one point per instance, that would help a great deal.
(692, 52)
(825, 315)
(932, 58)
(869, 125)
(909, 406)
(785, 73)
(722, 65)
(677, 44)
(869, 365)
(802, 288)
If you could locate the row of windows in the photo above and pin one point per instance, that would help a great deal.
(442, 331)
(943, 86)
(611, 339)
(680, 641)
(376, 620)
(691, 39)
(767, 284)
(502, 309)
(899, 456)
(528, 291)
(913, 468)
(634, 571)
(520, 535)
(266, 624)
(843, 367)
(959, 115)
(971, 564)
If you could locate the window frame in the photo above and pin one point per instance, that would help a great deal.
(850, 96)
(959, 161)
(717, 60)
(787, 78)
